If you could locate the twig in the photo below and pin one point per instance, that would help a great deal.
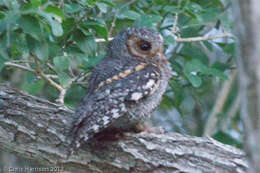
(211, 37)
(99, 40)
(52, 76)
(47, 77)
(20, 67)
(220, 101)
(115, 16)
(234, 108)
(175, 29)
(113, 24)
(61, 3)
(51, 67)
(51, 82)
(189, 39)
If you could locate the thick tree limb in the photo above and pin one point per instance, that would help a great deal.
(36, 129)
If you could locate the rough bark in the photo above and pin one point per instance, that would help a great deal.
(247, 24)
(35, 128)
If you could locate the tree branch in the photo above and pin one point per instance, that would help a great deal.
(11, 64)
(37, 129)
(61, 89)
(204, 38)
(189, 39)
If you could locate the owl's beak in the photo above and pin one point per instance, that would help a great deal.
(161, 56)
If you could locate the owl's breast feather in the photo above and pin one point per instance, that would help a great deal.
(143, 109)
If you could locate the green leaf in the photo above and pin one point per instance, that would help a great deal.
(92, 62)
(194, 8)
(3, 58)
(32, 85)
(42, 51)
(72, 8)
(90, 2)
(31, 42)
(194, 80)
(178, 90)
(2, 22)
(160, 2)
(184, 3)
(227, 139)
(169, 40)
(193, 51)
(220, 66)
(68, 25)
(228, 48)
(218, 73)
(30, 77)
(129, 14)
(171, 9)
(155, 18)
(175, 65)
(144, 21)
(2, 61)
(100, 28)
(56, 27)
(35, 3)
(55, 11)
(87, 45)
(102, 32)
(85, 30)
(10, 19)
(102, 7)
(193, 67)
(191, 70)
(61, 63)
(31, 26)
(148, 21)
(12, 5)
(110, 4)
(64, 78)
(210, 14)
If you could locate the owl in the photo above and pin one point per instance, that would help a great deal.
(125, 87)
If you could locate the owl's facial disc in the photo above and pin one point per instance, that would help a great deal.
(144, 43)
(137, 42)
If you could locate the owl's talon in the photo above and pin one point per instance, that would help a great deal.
(147, 127)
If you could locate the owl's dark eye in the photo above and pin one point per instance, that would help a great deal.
(145, 45)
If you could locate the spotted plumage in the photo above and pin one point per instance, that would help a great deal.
(125, 87)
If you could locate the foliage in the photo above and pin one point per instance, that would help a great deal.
(58, 38)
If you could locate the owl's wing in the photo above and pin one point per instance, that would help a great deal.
(110, 98)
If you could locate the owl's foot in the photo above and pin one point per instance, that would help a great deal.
(147, 127)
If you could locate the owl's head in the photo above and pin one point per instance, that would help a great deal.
(137, 42)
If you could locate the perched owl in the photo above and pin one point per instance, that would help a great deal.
(125, 87)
